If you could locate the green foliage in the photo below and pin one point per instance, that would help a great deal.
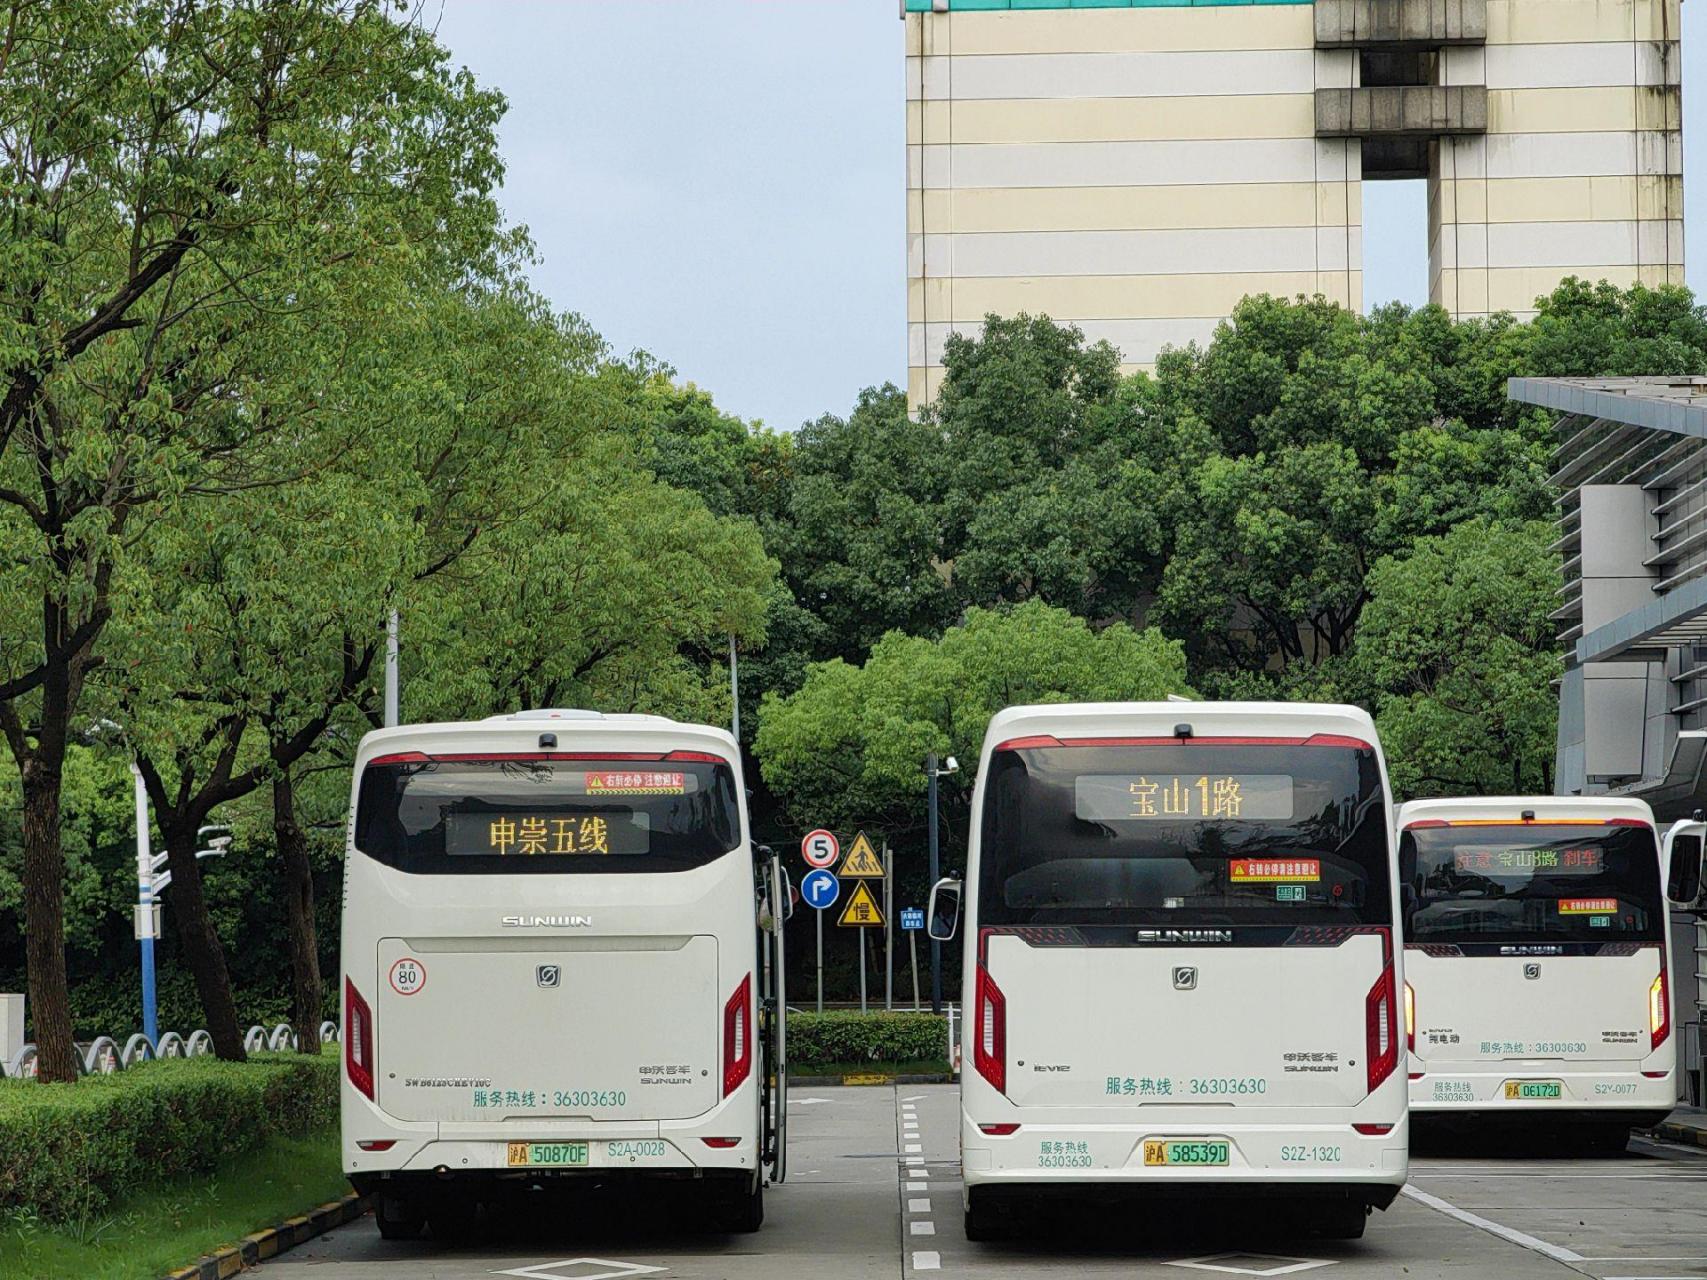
(849, 746)
(1457, 650)
(67, 1151)
(819, 1039)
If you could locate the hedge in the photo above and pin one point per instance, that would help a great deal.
(68, 1151)
(823, 1038)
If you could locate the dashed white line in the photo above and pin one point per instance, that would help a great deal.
(923, 1227)
(1556, 1252)
(919, 1205)
(925, 1186)
(926, 1260)
(913, 1148)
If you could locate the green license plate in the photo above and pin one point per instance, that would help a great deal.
(1194, 1153)
(1533, 1089)
(546, 1155)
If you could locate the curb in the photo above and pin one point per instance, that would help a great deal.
(867, 1078)
(274, 1240)
(1687, 1134)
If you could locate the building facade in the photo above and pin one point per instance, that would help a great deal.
(1135, 167)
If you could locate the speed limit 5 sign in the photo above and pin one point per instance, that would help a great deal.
(820, 848)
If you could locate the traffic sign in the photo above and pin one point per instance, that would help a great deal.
(820, 889)
(912, 918)
(862, 911)
(862, 861)
(820, 848)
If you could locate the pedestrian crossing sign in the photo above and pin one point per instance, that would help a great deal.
(862, 911)
(862, 862)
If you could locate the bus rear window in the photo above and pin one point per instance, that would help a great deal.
(1531, 883)
(516, 815)
(1190, 835)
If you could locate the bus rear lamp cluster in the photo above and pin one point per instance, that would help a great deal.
(721, 1144)
(990, 1032)
(376, 1144)
(358, 1040)
(1410, 1018)
(738, 1037)
(1659, 1007)
(998, 1130)
(1381, 1029)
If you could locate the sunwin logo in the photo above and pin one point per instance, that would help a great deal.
(548, 922)
(1185, 935)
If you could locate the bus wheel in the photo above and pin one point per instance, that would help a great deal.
(982, 1224)
(1342, 1220)
(398, 1218)
(739, 1210)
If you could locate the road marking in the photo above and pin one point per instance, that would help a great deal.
(922, 1228)
(913, 1148)
(924, 1260)
(1564, 1177)
(913, 1097)
(1225, 1264)
(808, 1102)
(915, 1159)
(612, 1270)
(920, 1205)
(1556, 1252)
(925, 1186)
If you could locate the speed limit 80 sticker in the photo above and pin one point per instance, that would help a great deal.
(408, 976)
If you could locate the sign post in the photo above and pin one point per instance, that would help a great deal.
(912, 920)
(888, 931)
(820, 888)
(862, 912)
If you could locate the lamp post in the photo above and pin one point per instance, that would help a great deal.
(151, 882)
(932, 773)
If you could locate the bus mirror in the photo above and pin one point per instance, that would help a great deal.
(944, 919)
(1683, 865)
(785, 895)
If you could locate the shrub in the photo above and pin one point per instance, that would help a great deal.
(822, 1038)
(67, 1151)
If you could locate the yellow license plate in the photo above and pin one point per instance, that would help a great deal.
(1525, 1090)
(1190, 1152)
(546, 1155)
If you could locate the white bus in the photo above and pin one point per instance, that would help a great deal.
(1539, 989)
(551, 969)
(1180, 966)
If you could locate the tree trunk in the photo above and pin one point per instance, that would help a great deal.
(299, 915)
(202, 950)
(44, 914)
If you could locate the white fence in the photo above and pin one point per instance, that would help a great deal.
(103, 1055)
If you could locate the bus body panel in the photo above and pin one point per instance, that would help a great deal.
(1080, 1021)
(619, 1044)
(1301, 1025)
(1540, 1023)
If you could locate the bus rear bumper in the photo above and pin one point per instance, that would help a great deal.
(1292, 1161)
(1605, 1093)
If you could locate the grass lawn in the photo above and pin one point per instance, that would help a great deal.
(917, 1067)
(152, 1233)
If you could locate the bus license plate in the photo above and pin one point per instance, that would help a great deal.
(546, 1155)
(1515, 1089)
(1193, 1153)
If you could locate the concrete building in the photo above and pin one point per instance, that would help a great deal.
(1631, 466)
(1136, 166)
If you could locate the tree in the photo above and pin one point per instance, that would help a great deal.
(1457, 651)
(848, 748)
(187, 187)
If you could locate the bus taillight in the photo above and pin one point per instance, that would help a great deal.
(1381, 1026)
(1410, 1018)
(738, 1037)
(358, 1039)
(1659, 1007)
(990, 1032)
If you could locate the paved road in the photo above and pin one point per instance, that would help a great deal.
(875, 1192)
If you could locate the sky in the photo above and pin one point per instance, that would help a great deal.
(720, 183)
